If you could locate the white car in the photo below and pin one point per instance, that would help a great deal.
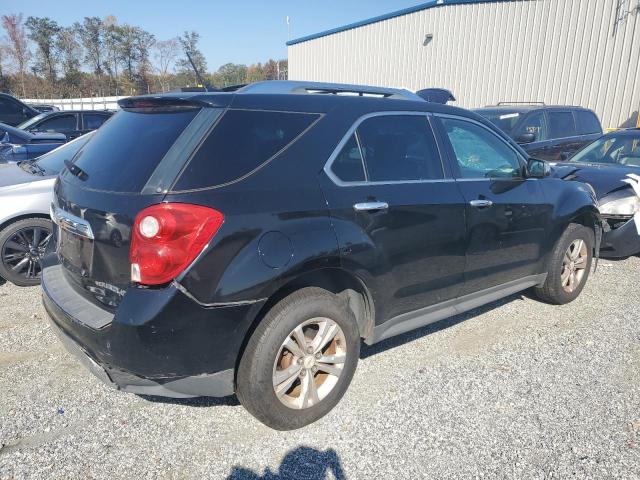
(26, 190)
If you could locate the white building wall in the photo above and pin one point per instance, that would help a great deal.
(579, 52)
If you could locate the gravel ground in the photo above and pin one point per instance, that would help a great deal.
(517, 389)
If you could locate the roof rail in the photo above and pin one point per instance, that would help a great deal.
(521, 103)
(300, 87)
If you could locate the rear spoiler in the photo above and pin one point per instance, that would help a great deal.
(167, 103)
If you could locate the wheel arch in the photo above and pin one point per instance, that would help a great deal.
(333, 279)
(23, 216)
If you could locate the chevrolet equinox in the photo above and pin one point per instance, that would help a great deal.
(245, 242)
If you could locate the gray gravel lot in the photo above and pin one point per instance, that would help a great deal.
(517, 389)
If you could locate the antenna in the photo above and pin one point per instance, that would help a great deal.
(206, 85)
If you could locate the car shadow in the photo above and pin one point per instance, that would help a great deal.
(365, 352)
(301, 463)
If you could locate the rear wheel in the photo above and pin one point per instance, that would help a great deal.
(22, 245)
(300, 360)
(569, 266)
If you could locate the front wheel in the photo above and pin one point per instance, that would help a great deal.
(300, 360)
(569, 266)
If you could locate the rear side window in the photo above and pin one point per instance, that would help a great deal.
(561, 125)
(587, 122)
(399, 148)
(242, 141)
(123, 154)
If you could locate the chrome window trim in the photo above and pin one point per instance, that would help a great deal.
(332, 176)
(522, 160)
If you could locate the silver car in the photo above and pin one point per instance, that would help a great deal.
(26, 191)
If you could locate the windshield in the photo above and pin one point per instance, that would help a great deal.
(505, 120)
(612, 150)
(27, 123)
(52, 163)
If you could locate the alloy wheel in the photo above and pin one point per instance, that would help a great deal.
(309, 363)
(574, 265)
(22, 252)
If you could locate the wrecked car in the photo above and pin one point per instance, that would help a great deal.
(611, 165)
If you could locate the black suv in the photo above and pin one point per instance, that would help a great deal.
(263, 233)
(547, 132)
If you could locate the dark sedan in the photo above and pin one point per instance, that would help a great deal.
(17, 145)
(611, 165)
(72, 123)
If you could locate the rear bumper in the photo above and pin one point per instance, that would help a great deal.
(622, 242)
(158, 341)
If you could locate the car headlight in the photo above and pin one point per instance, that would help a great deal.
(626, 206)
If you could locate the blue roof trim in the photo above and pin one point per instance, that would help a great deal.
(380, 18)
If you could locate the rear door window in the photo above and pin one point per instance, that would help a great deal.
(124, 153)
(399, 148)
(587, 122)
(561, 125)
(242, 141)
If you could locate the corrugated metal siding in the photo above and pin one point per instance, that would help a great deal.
(578, 52)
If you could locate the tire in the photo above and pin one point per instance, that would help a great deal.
(558, 288)
(16, 245)
(266, 359)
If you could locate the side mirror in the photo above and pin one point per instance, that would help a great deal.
(538, 168)
(526, 138)
(5, 138)
(25, 112)
(564, 156)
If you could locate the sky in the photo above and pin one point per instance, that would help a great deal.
(246, 31)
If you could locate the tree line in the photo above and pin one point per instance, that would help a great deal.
(40, 58)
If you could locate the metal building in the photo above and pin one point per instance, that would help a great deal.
(578, 52)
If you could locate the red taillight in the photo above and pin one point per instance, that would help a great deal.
(166, 238)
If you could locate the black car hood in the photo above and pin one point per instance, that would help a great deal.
(603, 178)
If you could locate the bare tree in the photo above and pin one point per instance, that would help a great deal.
(165, 54)
(18, 47)
(44, 31)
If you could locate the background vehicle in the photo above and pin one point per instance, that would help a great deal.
(43, 107)
(13, 111)
(71, 123)
(605, 165)
(17, 145)
(274, 228)
(546, 132)
(25, 202)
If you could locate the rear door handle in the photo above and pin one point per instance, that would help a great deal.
(480, 203)
(370, 206)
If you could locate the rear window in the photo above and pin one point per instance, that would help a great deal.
(242, 141)
(125, 151)
(587, 122)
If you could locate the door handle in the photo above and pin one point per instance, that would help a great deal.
(370, 206)
(480, 203)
